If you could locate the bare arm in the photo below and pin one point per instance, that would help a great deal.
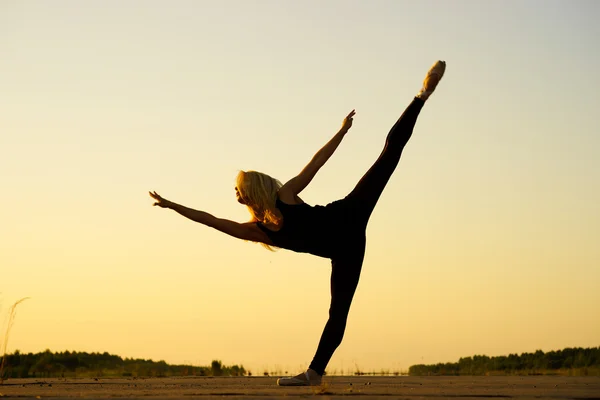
(299, 182)
(246, 231)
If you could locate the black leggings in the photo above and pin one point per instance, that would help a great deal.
(362, 200)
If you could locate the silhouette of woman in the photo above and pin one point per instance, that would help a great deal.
(337, 231)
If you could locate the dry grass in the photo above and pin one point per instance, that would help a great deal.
(11, 320)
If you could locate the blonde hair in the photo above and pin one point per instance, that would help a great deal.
(259, 192)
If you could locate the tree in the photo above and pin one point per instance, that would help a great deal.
(216, 368)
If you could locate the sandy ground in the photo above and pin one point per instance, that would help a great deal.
(538, 387)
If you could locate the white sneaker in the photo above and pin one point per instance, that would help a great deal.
(433, 77)
(308, 378)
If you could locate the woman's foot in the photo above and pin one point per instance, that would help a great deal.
(308, 378)
(433, 77)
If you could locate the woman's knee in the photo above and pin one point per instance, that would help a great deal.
(339, 309)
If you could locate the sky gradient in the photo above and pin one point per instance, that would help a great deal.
(485, 241)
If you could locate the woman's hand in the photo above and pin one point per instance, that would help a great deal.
(164, 203)
(347, 124)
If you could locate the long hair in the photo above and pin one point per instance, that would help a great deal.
(259, 192)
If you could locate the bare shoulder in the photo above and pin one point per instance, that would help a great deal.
(256, 234)
(287, 195)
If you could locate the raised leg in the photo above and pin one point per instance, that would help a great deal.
(365, 195)
(368, 190)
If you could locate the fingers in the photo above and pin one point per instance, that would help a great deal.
(157, 197)
(352, 113)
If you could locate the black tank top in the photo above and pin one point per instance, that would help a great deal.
(306, 229)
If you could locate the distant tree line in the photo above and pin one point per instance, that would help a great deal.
(574, 361)
(80, 364)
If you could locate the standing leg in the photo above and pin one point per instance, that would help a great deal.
(345, 274)
(366, 193)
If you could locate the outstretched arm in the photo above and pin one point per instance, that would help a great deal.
(298, 183)
(246, 231)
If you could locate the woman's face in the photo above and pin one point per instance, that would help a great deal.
(239, 197)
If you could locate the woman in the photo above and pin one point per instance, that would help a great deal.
(337, 231)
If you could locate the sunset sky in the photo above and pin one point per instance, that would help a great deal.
(486, 240)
